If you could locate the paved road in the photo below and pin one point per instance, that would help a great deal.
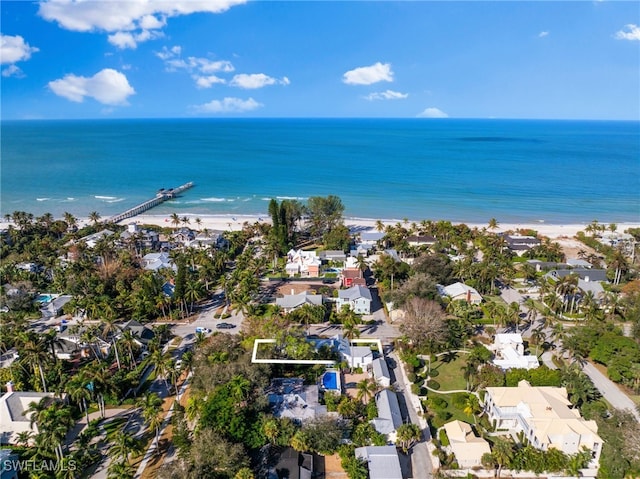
(610, 390)
(421, 466)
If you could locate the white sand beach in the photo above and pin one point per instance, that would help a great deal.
(235, 223)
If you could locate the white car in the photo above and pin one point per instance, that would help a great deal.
(200, 329)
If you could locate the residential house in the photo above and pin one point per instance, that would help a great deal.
(92, 240)
(290, 398)
(184, 236)
(509, 352)
(371, 237)
(588, 279)
(579, 263)
(157, 261)
(142, 335)
(358, 298)
(417, 241)
(144, 239)
(460, 292)
(356, 356)
(465, 445)
(360, 250)
(292, 301)
(389, 417)
(520, 244)
(55, 306)
(333, 255)
(292, 465)
(352, 277)
(544, 416)
(381, 372)
(383, 461)
(13, 421)
(304, 263)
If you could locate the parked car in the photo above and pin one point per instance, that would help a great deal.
(200, 329)
(225, 326)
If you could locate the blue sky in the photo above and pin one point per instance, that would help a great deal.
(228, 58)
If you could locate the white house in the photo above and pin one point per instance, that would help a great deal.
(389, 418)
(13, 421)
(358, 298)
(509, 353)
(544, 416)
(381, 372)
(460, 292)
(305, 263)
(156, 261)
(465, 445)
(383, 461)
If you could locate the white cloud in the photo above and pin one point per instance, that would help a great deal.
(543, 34)
(433, 113)
(256, 80)
(632, 33)
(109, 87)
(229, 105)
(386, 95)
(168, 53)
(14, 49)
(368, 75)
(124, 40)
(12, 71)
(207, 81)
(129, 16)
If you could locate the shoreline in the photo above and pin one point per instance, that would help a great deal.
(225, 222)
(230, 222)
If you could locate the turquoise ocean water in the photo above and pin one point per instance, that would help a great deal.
(462, 170)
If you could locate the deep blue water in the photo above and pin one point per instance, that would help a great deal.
(461, 170)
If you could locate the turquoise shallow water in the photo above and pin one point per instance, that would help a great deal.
(462, 170)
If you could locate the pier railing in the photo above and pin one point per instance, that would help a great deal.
(162, 196)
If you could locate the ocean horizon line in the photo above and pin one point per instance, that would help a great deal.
(329, 118)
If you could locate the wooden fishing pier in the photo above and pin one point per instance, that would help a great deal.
(161, 196)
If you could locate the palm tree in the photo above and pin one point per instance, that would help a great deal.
(152, 413)
(24, 437)
(493, 224)
(367, 388)
(175, 219)
(123, 445)
(34, 352)
(95, 217)
(502, 453)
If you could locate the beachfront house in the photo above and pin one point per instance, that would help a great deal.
(421, 240)
(382, 461)
(465, 445)
(144, 239)
(521, 244)
(509, 352)
(545, 418)
(389, 418)
(357, 298)
(292, 301)
(460, 292)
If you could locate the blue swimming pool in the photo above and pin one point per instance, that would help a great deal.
(330, 381)
(44, 298)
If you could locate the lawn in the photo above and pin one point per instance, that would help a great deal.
(450, 373)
